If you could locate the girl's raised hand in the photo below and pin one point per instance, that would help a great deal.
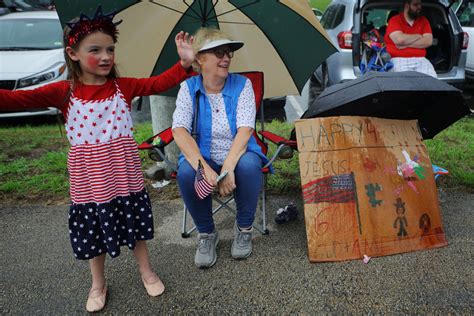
(185, 50)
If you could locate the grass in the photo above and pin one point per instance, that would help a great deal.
(453, 149)
(319, 4)
(33, 160)
(286, 179)
(141, 133)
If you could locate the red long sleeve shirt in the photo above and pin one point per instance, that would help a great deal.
(57, 94)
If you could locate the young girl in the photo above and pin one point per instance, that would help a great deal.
(109, 203)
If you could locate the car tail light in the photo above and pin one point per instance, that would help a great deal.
(344, 39)
(465, 41)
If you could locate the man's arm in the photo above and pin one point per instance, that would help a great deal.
(425, 41)
(403, 40)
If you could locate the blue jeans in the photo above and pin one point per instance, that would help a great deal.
(248, 181)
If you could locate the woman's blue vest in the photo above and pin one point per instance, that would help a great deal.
(234, 85)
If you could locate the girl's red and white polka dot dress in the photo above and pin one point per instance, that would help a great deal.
(110, 206)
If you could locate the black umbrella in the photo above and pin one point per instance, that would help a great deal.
(394, 95)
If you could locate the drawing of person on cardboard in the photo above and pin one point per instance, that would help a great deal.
(401, 220)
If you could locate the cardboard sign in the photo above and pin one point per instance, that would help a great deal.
(368, 188)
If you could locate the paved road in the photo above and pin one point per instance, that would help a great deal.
(41, 277)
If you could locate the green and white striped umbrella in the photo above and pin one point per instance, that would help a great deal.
(282, 38)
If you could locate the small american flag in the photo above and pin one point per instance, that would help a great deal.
(202, 187)
(338, 188)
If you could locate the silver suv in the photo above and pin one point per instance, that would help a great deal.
(346, 20)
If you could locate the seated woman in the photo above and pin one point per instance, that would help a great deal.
(225, 142)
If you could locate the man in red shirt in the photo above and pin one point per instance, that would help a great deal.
(407, 37)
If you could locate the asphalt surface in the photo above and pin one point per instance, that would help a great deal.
(40, 275)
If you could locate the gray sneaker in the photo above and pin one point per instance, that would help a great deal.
(206, 254)
(242, 244)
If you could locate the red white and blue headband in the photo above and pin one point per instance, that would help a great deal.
(85, 26)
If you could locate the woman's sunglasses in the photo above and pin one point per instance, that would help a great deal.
(220, 52)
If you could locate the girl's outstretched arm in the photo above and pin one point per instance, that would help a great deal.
(51, 95)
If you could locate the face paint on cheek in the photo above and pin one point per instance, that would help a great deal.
(92, 62)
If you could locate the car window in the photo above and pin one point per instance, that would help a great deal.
(377, 17)
(333, 16)
(466, 15)
(30, 33)
(328, 16)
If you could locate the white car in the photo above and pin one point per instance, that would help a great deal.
(465, 13)
(31, 54)
(347, 22)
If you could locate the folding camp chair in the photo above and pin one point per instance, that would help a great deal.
(374, 54)
(156, 147)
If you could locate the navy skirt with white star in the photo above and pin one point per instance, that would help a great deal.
(96, 229)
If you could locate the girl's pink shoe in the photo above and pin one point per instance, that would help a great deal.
(96, 299)
(154, 289)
